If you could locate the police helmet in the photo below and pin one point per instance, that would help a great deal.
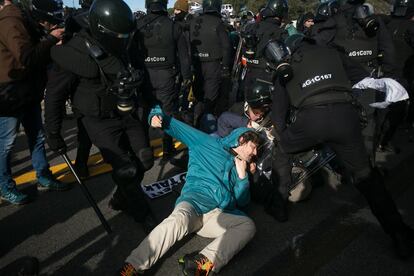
(403, 8)
(44, 10)
(210, 6)
(86, 4)
(111, 23)
(275, 8)
(259, 95)
(156, 5)
(326, 10)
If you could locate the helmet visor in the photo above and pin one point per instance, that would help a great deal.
(107, 31)
(276, 52)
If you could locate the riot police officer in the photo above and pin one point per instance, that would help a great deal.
(162, 44)
(105, 92)
(211, 56)
(268, 28)
(365, 39)
(317, 84)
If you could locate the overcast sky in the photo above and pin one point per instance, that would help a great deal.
(134, 4)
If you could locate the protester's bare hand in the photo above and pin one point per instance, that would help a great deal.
(241, 167)
(252, 167)
(58, 33)
(156, 121)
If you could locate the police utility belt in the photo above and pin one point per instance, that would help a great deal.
(330, 96)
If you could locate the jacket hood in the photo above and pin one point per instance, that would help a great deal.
(10, 11)
(232, 140)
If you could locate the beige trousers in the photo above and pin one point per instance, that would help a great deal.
(230, 233)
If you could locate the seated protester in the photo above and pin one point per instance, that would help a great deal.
(217, 186)
(253, 113)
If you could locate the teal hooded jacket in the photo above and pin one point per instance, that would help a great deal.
(212, 180)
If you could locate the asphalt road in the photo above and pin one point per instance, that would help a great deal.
(332, 233)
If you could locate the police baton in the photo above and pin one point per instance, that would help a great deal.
(88, 195)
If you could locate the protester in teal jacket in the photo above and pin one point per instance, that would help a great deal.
(216, 186)
(212, 180)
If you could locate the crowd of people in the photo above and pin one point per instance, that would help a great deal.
(247, 99)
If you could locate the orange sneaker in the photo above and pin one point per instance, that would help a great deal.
(196, 264)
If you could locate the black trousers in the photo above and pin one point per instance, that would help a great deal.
(161, 85)
(124, 144)
(393, 117)
(337, 126)
(207, 84)
(84, 145)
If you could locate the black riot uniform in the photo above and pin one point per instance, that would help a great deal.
(320, 91)
(398, 25)
(211, 55)
(93, 62)
(161, 45)
(364, 38)
(268, 28)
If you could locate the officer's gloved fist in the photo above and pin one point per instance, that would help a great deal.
(225, 72)
(56, 143)
(128, 79)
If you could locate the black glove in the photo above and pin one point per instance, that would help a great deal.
(56, 143)
(225, 72)
(127, 80)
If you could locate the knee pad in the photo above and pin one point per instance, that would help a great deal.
(125, 173)
(146, 158)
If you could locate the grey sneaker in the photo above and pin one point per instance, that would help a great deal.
(49, 183)
(14, 196)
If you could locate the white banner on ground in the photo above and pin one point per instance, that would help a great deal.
(163, 187)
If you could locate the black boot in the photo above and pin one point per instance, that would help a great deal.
(128, 179)
(117, 202)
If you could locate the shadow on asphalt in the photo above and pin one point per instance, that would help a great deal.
(22, 146)
(27, 220)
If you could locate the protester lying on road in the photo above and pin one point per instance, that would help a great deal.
(216, 188)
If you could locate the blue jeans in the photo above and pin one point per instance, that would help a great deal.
(31, 120)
